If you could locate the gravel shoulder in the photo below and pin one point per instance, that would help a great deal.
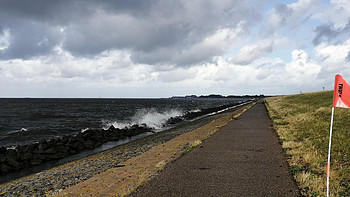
(56, 179)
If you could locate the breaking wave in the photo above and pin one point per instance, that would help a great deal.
(150, 117)
(17, 131)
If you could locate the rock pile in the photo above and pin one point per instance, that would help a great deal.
(46, 150)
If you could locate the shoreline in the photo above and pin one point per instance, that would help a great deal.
(58, 178)
(130, 174)
(32, 158)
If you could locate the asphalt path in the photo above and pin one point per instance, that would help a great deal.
(242, 159)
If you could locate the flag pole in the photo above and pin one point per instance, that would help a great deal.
(329, 152)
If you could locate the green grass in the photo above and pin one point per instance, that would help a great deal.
(189, 146)
(302, 123)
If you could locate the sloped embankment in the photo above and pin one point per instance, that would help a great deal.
(302, 123)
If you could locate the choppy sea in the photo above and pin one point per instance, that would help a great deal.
(28, 120)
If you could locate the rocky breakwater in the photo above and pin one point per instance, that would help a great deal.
(195, 114)
(46, 150)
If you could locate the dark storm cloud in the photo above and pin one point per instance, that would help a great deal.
(65, 11)
(30, 39)
(34, 26)
(152, 30)
(328, 33)
(166, 26)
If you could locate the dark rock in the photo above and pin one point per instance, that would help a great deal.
(69, 137)
(72, 151)
(51, 151)
(57, 156)
(111, 128)
(105, 134)
(98, 144)
(79, 136)
(65, 139)
(39, 157)
(62, 148)
(46, 150)
(71, 142)
(2, 158)
(43, 145)
(35, 162)
(30, 148)
(20, 149)
(4, 168)
(174, 120)
(90, 144)
(99, 136)
(51, 142)
(2, 150)
(11, 153)
(38, 151)
(26, 156)
(12, 156)
(13, 163)
(116, 135)
(78, 146)
(88, 134)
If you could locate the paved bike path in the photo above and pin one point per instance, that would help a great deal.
(242, 159)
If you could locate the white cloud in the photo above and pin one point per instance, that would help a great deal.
(167, 48)
(301, 70)
(113, 66)
(249, 53)
(333, 54)
(291, 15)
(335, 22)
(334, 58)
(4, 39)
(211, 46)
(338, 13)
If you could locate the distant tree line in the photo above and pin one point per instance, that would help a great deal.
(220, 96)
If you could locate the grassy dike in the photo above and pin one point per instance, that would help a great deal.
(302, 123)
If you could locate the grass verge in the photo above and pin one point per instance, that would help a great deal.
(302, 123)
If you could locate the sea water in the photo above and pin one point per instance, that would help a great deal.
(29, 120)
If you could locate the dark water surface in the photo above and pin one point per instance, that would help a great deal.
(28, 120)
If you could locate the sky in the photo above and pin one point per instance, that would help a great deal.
(164, 48)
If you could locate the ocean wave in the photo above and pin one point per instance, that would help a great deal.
(83, 130)
(150, 117)
(17, 131)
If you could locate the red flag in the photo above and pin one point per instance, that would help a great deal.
(341, 94)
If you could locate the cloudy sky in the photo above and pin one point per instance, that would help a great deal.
(161, 48)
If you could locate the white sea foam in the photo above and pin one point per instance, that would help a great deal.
(116, 124)
(155, 119)
(194, 110)
(151, 117)
(83, 130)
(11, 147)
(17, 131)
